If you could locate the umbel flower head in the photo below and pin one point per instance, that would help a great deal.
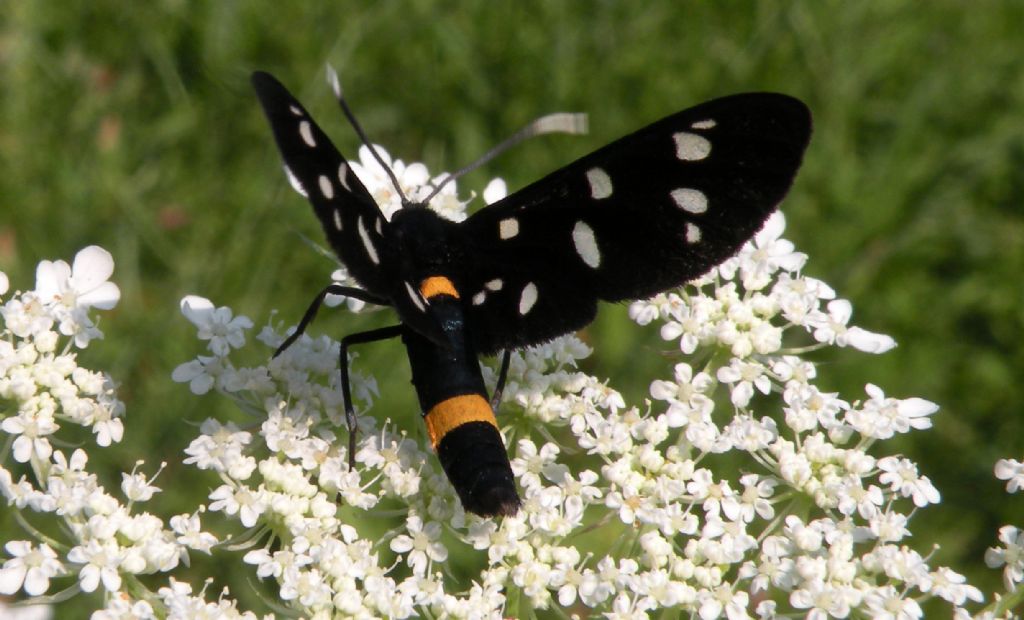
(82, 532)
(740, 488)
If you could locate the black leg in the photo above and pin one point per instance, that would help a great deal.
(373, 335)
(334, 289)
(499, 387)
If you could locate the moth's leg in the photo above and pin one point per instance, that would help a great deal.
(373, 335)
(334, 289)
(499, 387)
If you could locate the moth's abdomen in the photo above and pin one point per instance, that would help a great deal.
(465, 435)
(459, 419)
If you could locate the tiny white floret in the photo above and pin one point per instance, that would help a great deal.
(83, 284)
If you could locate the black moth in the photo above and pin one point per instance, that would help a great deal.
(646, 213)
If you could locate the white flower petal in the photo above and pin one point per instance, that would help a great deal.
(663, 390)
(89, 578)
(198, 310)
(1006, 468)
(869, 342)
(793, 262)
(11, 579)
(370, 162)
(415, 175)
(916, 407)
(51, 279)
(840, 310)
(874, 391)
(773, 228)
(495, 191)
(187, 371)
(671, 330)
(93, 266)
(36, 582)
(105, 296)
(201, 385)
(22, 449)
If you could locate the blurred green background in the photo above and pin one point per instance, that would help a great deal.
(133, 126)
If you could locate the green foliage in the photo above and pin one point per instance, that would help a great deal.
(134, 127)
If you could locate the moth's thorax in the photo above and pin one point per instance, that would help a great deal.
(441, 371)
(425, 242)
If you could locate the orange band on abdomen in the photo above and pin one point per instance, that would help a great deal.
(449, 414)
(438, 285)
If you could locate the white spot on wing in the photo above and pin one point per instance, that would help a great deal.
(494, 285)
(705, 124)
(692, 233)
(600, 183)
(691, 147)
(479, 298)
(295, 110)
(379, 226)
(527, 298)
(367, 243)
(690, 200)
(343, 176)
(414, 296)
(586, 244)
(294, 182)
(325, 187)
(306, 131)
(508, 228)
(337, 219)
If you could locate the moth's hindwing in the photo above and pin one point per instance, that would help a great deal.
(646, 213)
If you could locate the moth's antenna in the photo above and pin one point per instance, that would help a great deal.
(559, 122)
(332, 79)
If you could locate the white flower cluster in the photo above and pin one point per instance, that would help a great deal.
(40, 378)
(742, 488)
(103, 539)
(173, 602)
(1011, 554)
